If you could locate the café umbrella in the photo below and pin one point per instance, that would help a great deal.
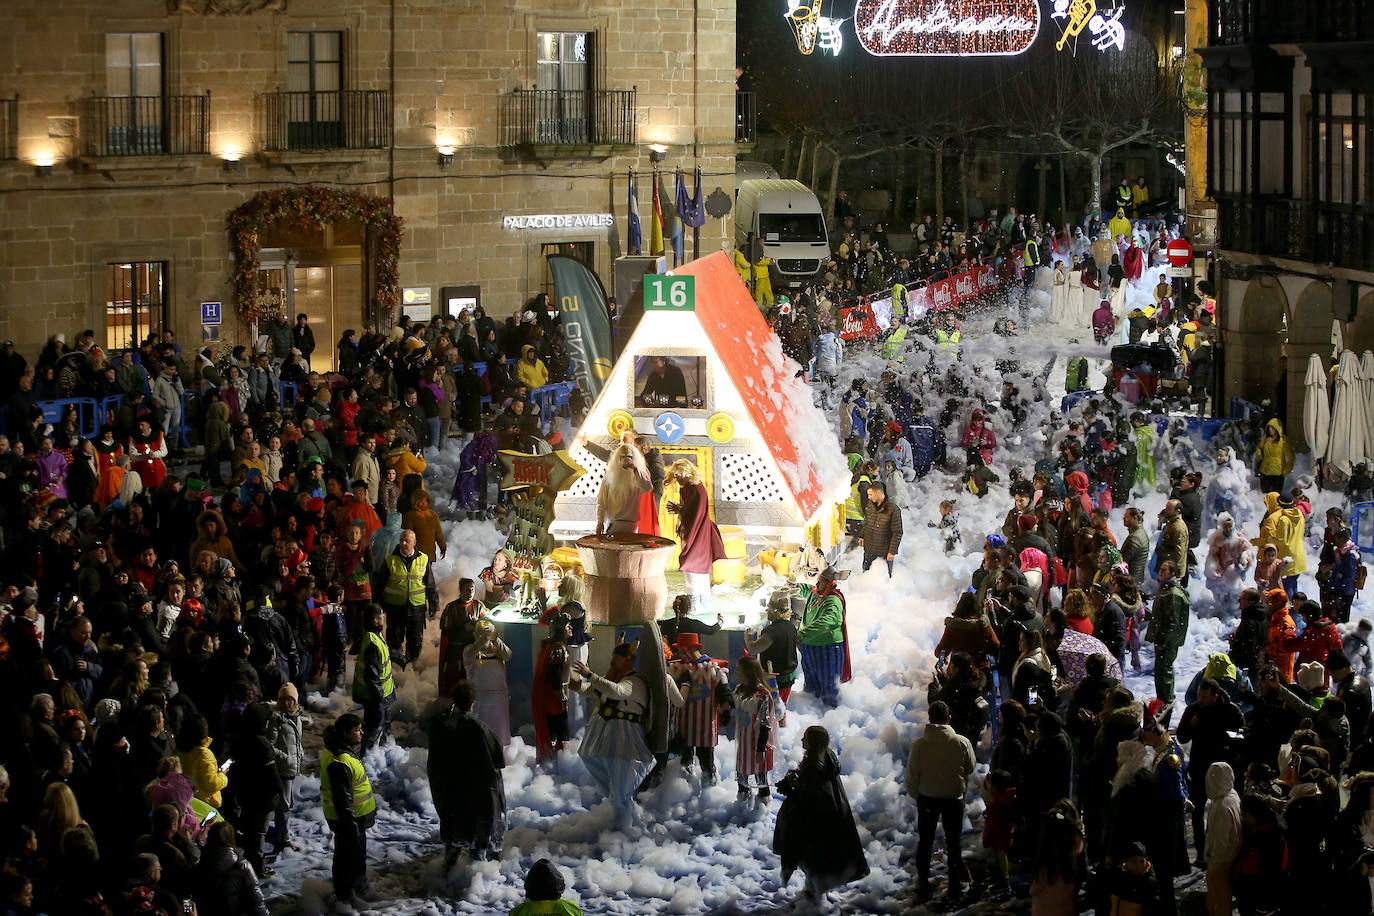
(1316, 408)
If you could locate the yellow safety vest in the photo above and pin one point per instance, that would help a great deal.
(854, 506)
(405, 585)
(946, 339)
(1030, 255)
(894, 344)
(360, 687)
(363, 802)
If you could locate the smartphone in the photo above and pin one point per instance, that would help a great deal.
(1033, 696)
(230, 762)
(188, 907)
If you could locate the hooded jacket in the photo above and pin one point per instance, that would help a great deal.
(1282, 634)
(1223, 817)
(1283, 527)
(219, 545)
(530, 371)
(1274, 457)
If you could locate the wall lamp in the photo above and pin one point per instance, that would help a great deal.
(445, 155)
(657, 153)
(42, 166)
(231, 160)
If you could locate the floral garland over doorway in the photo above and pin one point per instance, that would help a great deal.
(311, 207)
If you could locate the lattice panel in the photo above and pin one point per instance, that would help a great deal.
(589, 484)
(746, 478)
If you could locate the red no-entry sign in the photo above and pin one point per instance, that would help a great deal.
(1179, 252)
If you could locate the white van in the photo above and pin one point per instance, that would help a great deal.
(749, 169)
(786, 218)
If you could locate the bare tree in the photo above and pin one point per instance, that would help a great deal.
(1087, 106)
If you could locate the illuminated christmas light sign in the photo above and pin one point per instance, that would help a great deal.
(946, 28)
(1101, 22)
(814, 30)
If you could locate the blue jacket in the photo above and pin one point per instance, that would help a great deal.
(1342, 581)
(927, 444)
(64, 659)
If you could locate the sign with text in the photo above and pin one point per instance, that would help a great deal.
(211, 313)
(667, 293)
(559, 221)
(946, 28)
(538, 478)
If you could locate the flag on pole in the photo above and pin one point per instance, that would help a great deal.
(680, 198)
(636, 240)
(693, 213)
(656, 224)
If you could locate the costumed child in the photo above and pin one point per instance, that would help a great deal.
(756, 728)
(578, 644)
(815, 830)
(485, 660)
(549, 691)
(948, 526)
(704, 685)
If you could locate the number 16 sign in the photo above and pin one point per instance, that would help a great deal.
(668, 293)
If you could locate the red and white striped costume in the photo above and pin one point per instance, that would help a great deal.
(752, 711)
(698, 719)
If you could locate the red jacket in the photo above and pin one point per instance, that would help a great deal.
(1320, 637)
(347, 415)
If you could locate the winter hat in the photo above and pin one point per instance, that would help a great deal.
(1311, 676)
(1025, 523)
(1223, 518)
(27, 598)
(544, 881)
(314, 504)
(107, 710)
(1365, 626)
(996, 541)
(288, 690)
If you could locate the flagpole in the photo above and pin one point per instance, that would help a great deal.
(696, 230)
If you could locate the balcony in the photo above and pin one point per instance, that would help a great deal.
(345, 119)
(1337, 234)
(569, 123)
(9, 128)
(167, 125)
(746, 117)
(1239, 22)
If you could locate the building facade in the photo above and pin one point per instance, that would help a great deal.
(1290, 134)
(497, 133)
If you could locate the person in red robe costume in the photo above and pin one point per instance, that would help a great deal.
(1133, 261)
(147, 448)
(549, 691)
(701, 544)
(648, 502)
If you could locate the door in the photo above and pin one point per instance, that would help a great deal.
(331, 297)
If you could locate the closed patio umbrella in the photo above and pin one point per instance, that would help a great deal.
(1316, 409)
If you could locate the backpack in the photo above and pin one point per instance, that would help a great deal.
(1361, 573)
(1076, 376)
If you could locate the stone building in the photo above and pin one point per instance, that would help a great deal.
(130, 147)
(1290, 130)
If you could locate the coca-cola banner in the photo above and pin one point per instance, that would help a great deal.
(858, 323)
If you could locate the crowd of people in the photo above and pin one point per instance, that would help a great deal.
(1252, 767)
(177, 581)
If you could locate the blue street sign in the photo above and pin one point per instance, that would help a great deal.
(210, 313)
(669, 427)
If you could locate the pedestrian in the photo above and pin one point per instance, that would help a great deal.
(756, 729)
(1273, 457)
(937, 772)
(882, 531)
(373, 685)
(1168, 628)
(544, 887)
(464, 768)
(284, 733)
(349, 805)
(1283, 633)
(1223, 836)
(815, 829)
(704, 684)
(409, 596)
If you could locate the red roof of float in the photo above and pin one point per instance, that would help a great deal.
(752, 356)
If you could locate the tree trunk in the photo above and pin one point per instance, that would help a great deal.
(1063, 200)
(828, 204)
(963, 187)
(816, 164)
(1042, 167)
(786, 155)
(1097, 185)
(801, 155)
(939, 186)
(899, 193)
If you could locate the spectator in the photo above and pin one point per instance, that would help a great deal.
(937, 774)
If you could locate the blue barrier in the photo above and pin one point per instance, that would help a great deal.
(284, 388)
(1071, 399)
(87, 413)
(1362, 525)
(552, 400)
(1242, 409)
(109, 407)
